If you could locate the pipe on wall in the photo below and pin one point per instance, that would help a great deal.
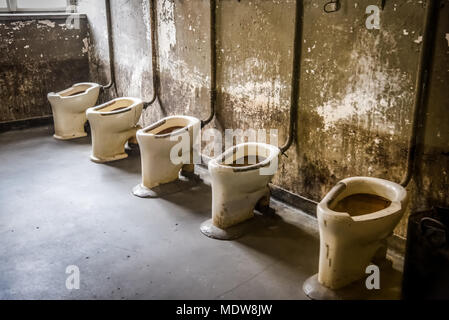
(213, 64)
(421, 84)
(154, 67)
(110, 46)
(296, 66)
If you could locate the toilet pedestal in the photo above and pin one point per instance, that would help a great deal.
(113, 126)
(355, 219)
(115, 150)
(187, 179)
(74, 136)
(390, 287)
(168, 151)
(211, 230)
(239, 181)
(69, 107)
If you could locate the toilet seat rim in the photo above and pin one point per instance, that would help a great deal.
(96, 110)
(397, 202)
(192, 121)
(92, 85)
(400, 191)
(396, 205)
(217, 161)
(394, 208)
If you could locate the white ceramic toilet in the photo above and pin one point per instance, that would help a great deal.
(69, 109)
(239, 179)
(157, 142)
(113, 124)
(355, 218)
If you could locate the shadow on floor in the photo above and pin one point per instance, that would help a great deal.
(131, 164)
(286, 242)
(196, 199)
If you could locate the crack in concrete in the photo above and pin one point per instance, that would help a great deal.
(246, 281)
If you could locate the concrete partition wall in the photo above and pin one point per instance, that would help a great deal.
(357, 84)
(39, 54)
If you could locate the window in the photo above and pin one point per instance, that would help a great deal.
(3, 5)
(33, 5)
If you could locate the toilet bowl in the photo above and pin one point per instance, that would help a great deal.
(355, 218)
(69, 109)
(157, 142)
(113, 124)
(239, 179)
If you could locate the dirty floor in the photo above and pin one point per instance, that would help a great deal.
(57, 208)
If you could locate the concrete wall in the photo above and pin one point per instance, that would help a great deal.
(432, 172)
(38, 55)
(357, 85)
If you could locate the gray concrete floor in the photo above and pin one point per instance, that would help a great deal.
(57, 208)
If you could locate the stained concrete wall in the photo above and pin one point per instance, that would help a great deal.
(356, 85)
(38, 55)
(432, 172)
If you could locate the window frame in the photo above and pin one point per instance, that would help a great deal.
(11, 7)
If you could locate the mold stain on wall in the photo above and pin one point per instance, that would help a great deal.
(254, 64)
(38, 56)
(370, 90)
(183, 56)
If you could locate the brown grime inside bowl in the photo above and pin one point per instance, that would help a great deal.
(361, 204)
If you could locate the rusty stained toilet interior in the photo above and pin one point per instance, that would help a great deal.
(167, 126)
(361, 204)
(116, 105)
(75, 91)
(236, 160)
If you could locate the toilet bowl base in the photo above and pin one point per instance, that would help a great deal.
(316, 291)
(109, 159)
(390, 288)
(69, 137)
(212, 231)
(181, 184)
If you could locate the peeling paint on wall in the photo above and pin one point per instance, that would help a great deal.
(166, 34)
(48, 23)
(258, 93)
(85, 48)
(187, 80)
(17, 25)
(370, 90)
(146, 18)
(38, 56)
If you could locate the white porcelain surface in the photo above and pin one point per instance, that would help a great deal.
(112, 125)
(348, 243)
(69, 111)
(155, 149)
(237, 190)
